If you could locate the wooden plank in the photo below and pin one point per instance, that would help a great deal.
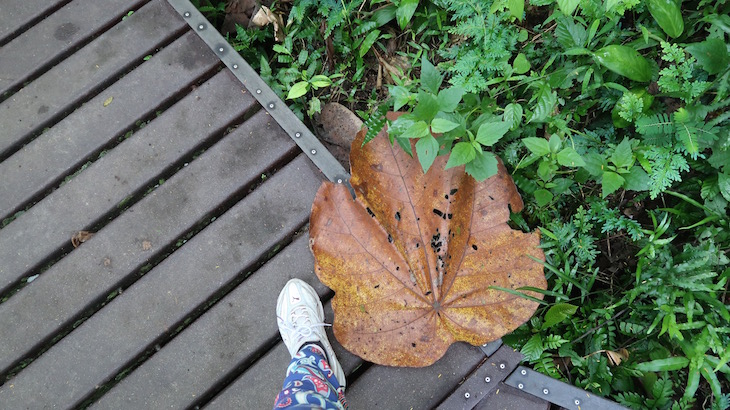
(257, 387)
(86, 72)
(43, 163)
(111, 340)
(379, 387)
(135, 164)
(15, 15)
(224, 339)
(414, 388)
(117, 250)
(44, 44)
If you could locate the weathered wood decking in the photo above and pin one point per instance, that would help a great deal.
(130, 127)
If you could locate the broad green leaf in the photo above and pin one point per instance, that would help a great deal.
(520, 64)
(555, 143)
(623, 156)
(543, 197)
(449, 98)
(430, 77)
(637, 179)
(441, 125)
(568, 157)
(427, 149)
(483, 166)
(319, 81)
(405, 12)
(611, 182)
(568, 6)
(462, 153)
(419, 129)
(546, 170)
(516, 8)
(557, 313)
(368, 42)
(298, 90)
(546, 101)
(401, 96)
(513, 115)
(711, 54)
(427, 106)
(384, 15)
(660, 365)
(595, 164)
(491, 132)
(625, 61)
(538, 146)
(668, 15)
(723, 182)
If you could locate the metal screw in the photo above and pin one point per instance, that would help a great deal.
(201, 27)
(467, 395)
(186, 14)
(221, 49)
(545, 391)
(577, 402)
(339, 180)
(314, 151)
(298, 134)
(502, 366)
(258, 91)
(524, 372)
(271, 105)
(488, 379)
(235, 66)
(520, 386)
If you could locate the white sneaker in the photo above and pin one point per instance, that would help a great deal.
(300, 316)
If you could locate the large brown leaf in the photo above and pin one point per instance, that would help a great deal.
(412, 258)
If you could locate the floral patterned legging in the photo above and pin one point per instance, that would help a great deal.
(310, 383)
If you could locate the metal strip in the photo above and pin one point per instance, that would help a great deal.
(491, 347)
(278, 110)
(484, 380)
(557, 392)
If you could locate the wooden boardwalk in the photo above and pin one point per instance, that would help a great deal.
(154, 200)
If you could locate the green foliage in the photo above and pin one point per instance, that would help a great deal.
(488, 47)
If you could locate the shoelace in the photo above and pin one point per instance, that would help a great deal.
(300, 326)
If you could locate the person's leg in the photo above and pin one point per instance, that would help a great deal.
(314, 377)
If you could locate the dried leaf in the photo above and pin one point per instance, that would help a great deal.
(80, 237)
(146, 245)
(108, 101)
(617, 357)
(413, 258)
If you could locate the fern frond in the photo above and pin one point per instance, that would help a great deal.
(375, 123)
(654, 125)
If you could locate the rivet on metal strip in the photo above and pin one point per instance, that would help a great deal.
(524, 372)
(186, 14)
(258, 91)
(314, 151)
(520, 386)
(545, 391)
(271, 105)
(467, 395)
(235, 66)
(297, 134)
(487, 379)
(201, 26)
(577, 402)
(502, 366)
